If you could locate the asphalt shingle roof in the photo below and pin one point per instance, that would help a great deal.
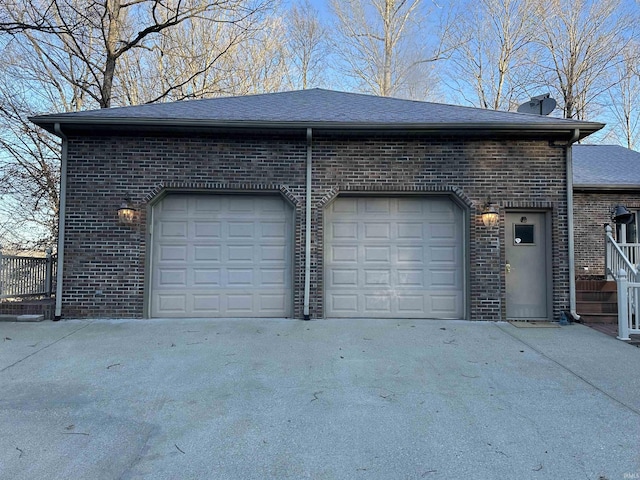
(605, 165)
(314, 107)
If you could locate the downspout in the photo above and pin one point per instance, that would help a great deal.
(61, 221)
(307, 235)
(572, 266)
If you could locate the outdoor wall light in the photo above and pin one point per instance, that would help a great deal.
(620, 215)
(126, 212)
(490, 215)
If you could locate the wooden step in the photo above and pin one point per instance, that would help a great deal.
(596, 285)
(594, 296)
(605, 318)
(596, 307)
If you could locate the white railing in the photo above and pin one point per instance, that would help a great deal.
(622, 264)
(616, 260)
(26, 276)
(628, 307)
(631, 251)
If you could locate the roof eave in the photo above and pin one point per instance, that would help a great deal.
(606, 187)
(48, 122)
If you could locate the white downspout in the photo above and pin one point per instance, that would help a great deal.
(61, 219)
(307, 239)
(572, 266)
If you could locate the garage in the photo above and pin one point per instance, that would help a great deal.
(394, 257)
(221, 256)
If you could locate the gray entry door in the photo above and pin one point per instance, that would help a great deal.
(394, 257)
(527, 270)
(221, 256)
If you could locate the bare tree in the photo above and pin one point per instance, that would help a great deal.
(580, 42)
(494, 56)
(69, 55)
(382, 41)
(307, 45)
(625, 99)
(97, 34)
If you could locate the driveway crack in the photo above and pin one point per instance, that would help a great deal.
(572, 372)
(44, 347)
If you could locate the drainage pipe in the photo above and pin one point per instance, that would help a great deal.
(61, 221)
(307, 235)
(572, 263)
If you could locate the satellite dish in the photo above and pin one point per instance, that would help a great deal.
(540, 105)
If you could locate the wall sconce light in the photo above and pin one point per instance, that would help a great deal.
(620, 215)
(126, 212)
(490, 215)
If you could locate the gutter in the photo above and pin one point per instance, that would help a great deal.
(83, 122)
(61, 222)
(572, 267)
(307, 235)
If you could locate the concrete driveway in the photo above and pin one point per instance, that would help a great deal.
(327, 399)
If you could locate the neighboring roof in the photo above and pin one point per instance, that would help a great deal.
(601, 167)
(315, 108)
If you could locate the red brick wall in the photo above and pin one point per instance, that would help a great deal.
(102, 255)
(590, 212)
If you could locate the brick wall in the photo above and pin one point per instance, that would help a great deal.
(105, 257)
(590, 212)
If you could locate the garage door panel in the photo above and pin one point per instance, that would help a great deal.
(241, 204)
(343, 277)
(172, 302)
(207, 253)
(272, 302)
(411, 278)
(273, 277)
(377, 303)
(410, 254)
(240, 277)
(240, 303)
(410, 231)
(410, 304)
(205, 303)
(172, 277)
(376, 205)
(207, 230)
(170, 253)
(173, 229)
(399, 257)
(377, 278)
(444, 278)
(376, 230)
(206, 277)
(410, 205)
(222, 255)
(446, 254)
(273, 253)
(174, 204)
(344, 254)
(377, 254)
(446, 231)
(344, 230)
(240, 253)
(273, 230)
(444, 304)
(240, 230)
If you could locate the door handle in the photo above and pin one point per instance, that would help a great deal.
(507, 268)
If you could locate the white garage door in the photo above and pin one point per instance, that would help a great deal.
(221, 256)
(394, 258)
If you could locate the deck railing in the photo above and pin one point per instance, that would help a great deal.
(628, 307)
(22, 276)
(622, 265)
